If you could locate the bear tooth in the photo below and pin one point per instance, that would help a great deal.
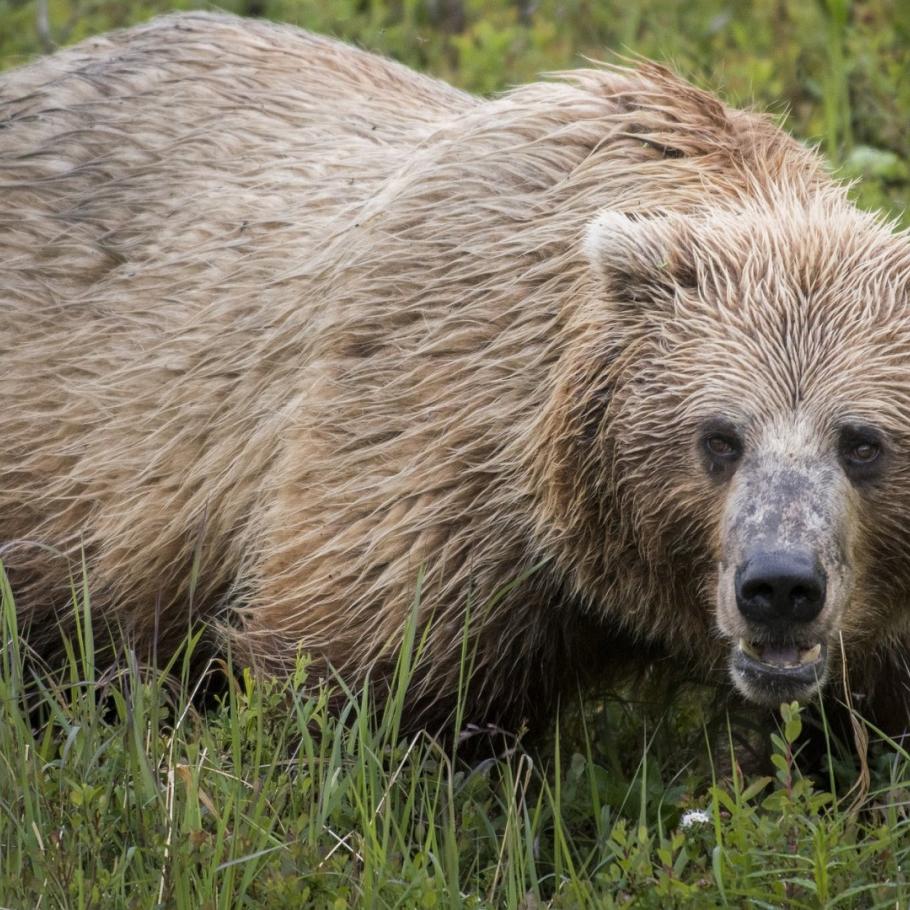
(811, 655)
(748, 649)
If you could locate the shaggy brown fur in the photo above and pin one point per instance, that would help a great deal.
(318, 324)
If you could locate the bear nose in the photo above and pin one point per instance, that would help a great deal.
(780, 587)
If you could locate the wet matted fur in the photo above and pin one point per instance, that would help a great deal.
(318, 325)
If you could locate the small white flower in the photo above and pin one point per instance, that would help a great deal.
(695, 817)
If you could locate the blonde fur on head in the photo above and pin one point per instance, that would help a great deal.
(317, 323)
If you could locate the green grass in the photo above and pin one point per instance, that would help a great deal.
(117, 790)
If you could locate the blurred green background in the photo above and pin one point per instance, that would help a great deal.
(837, 72)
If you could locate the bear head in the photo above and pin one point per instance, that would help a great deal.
(730, 471)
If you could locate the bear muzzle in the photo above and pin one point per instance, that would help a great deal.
(779, 594)
(785, 575)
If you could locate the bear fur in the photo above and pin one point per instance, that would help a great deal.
(306, 342)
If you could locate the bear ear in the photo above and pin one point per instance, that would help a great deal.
(641, 259)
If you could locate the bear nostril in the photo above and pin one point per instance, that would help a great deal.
(758, 592)
(780, 587)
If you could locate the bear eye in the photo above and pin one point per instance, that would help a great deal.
(721, 448)
(860, 452)
(864, 452)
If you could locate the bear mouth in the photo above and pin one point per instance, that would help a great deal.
(769, 672)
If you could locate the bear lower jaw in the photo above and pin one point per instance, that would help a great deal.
(769, 673)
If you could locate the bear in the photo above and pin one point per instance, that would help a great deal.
(596, 375)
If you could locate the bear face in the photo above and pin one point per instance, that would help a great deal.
(757, 426)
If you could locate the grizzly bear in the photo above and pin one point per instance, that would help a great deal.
(599, 371)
